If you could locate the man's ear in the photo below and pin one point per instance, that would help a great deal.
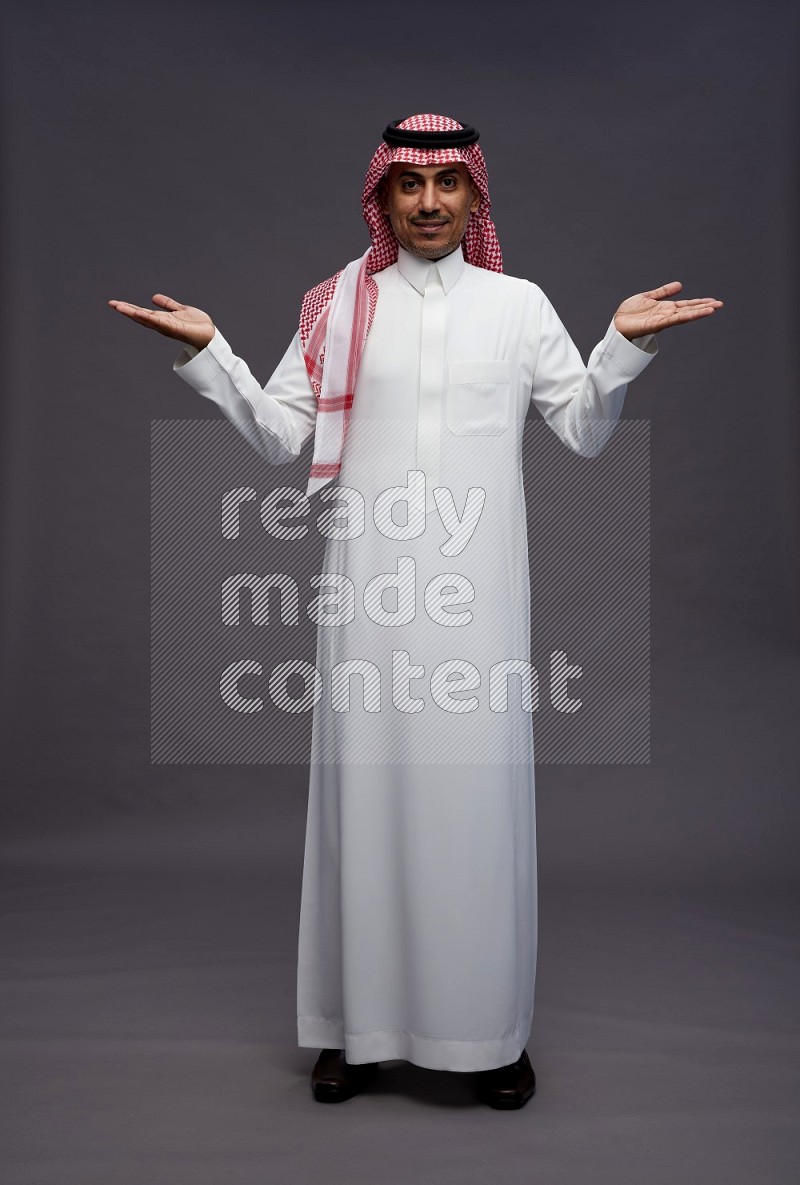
(476, 198)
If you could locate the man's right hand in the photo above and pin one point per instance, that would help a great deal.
(181, 321)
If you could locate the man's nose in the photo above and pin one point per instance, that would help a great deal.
(429, 201)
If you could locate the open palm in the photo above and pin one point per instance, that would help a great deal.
(650, 312)
(173, 319)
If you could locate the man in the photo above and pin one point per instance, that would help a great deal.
(414, 368)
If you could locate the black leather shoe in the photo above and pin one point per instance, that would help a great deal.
(334, 1079)
(508, 1087)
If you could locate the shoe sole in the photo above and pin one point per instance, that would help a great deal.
(331, 1092)
(507, 1103)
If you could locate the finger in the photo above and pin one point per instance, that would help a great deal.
(665, 290)
(167, 302)
(699, 300)
(691, 314)
(130, 310)
(150, 317)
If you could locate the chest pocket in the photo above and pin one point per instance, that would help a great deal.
(478, 397)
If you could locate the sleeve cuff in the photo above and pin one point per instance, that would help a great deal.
(201, 368)
(217, 354)
(629, 357)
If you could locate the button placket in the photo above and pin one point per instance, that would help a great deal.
(431, 383)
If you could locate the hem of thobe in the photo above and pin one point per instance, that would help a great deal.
(432, 1053)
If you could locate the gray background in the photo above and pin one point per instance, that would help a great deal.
(216, 152)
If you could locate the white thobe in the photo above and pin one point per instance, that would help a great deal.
(418, 918)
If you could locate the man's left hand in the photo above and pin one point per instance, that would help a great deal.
(650, 312)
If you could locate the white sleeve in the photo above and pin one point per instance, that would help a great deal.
(276, 419)
(582, 403)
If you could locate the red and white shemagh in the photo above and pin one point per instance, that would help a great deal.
(337, 314)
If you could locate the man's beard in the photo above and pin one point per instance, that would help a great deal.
(430, 250)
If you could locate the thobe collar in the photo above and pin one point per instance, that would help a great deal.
(415, 269)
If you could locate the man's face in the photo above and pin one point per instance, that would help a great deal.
(429, 206)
